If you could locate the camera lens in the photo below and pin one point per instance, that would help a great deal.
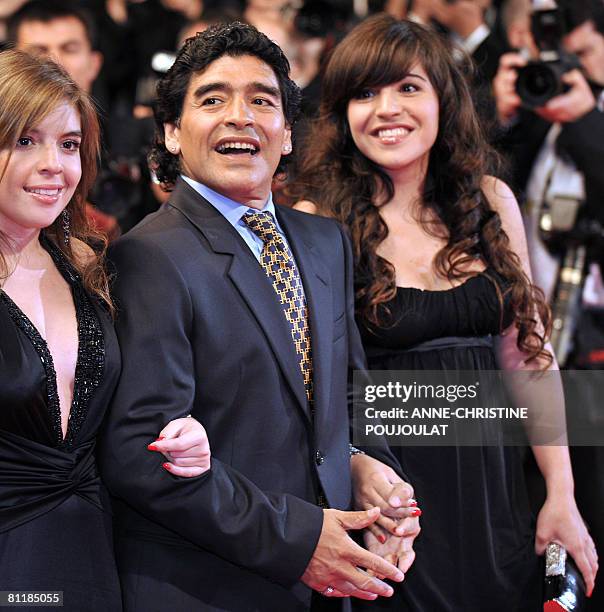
(537, 83)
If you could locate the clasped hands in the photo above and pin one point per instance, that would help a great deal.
(387, 511)
(339, 567)
(392, 535)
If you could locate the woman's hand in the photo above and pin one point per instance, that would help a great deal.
(376, 484)
(560, 521)
(397, 550)
(185, 445)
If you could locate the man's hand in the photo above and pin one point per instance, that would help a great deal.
(339, 563)
(504, 86)
(572, 105)
(376, 484)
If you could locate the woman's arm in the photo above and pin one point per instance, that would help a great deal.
(559, 519)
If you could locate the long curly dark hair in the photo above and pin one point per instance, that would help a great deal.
(344, 184)
(30, 89)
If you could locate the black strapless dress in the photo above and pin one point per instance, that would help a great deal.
(476, 549)
(55, 524)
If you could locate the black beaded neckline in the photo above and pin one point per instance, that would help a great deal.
(91, 351)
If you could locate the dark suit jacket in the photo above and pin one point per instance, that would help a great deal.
(202, 333)
(486, 56)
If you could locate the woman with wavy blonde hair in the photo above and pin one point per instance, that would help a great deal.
(59, 358)
(442, 283)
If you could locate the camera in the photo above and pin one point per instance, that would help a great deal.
(541, 80)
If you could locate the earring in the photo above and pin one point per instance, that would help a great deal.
(66, 224)
(287, 148)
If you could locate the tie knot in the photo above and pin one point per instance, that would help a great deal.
(262, 224)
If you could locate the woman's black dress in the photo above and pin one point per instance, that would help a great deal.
(55, 526)
(476, 549)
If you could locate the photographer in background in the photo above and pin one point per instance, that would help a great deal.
(555, 148)
(554, 140)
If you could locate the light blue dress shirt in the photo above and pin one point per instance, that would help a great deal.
(233, 212)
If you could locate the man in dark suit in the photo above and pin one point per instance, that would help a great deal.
(240, 313)
(578, 110)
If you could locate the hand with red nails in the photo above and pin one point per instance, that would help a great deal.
(376, 484)
(184, 443)
(396, 549)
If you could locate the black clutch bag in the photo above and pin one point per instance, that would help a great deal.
(564, 586)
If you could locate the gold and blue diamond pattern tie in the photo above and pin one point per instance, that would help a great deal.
(278, 263)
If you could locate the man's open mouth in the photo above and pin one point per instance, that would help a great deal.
(236, 147)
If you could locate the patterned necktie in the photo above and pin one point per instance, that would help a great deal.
(278, 263)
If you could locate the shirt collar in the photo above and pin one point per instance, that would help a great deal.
(474, 40)
(232, 211)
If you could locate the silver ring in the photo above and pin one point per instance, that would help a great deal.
(328, 590)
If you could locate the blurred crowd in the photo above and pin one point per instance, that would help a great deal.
(117, 49)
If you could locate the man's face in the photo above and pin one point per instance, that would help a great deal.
(586, 42)
(64, 40)
(232, 130)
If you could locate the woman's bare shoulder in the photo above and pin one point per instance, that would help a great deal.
(499, 195)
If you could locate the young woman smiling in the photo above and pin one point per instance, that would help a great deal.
(59, 358)
(442, 283)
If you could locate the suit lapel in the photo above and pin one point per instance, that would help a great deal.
(250, 280)
(317, 287)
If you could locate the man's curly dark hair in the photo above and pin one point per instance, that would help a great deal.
(232, 39)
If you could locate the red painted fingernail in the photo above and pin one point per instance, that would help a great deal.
(166, 466)
(416, 512)
(382, 538)
(151, 447)
(413, 502)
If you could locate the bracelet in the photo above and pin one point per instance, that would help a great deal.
(355, 451)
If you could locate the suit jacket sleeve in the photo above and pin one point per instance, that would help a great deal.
(222, 511)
